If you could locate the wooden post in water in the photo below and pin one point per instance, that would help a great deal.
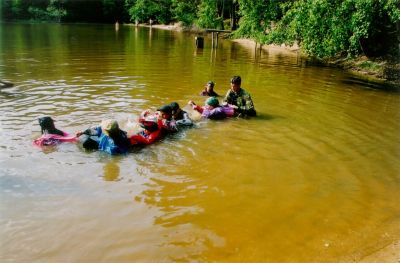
(199, 42)
(215, 34)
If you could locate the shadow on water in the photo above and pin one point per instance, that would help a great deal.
(8, 90)
(266, 117)
(5, 84)
(388, 87)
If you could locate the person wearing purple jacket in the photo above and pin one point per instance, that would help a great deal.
(211, 110)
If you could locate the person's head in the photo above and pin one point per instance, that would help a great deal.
(109, 127)
(210, 86)
(46, 124)
(150, 123)
(236, 81)
(165, 112)
(212, 102)
(175, 108)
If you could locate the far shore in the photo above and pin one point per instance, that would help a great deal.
(381, 70)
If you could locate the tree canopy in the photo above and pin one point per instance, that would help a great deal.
(323, 28)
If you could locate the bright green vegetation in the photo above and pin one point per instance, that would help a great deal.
(369, 65)
(323, 28)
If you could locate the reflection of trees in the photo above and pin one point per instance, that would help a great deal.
(182, 202)
(52, 44)
(111, 170)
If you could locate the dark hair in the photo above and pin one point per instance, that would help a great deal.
(166, 109)
(236, 80)
(174, 106)
(47, 125)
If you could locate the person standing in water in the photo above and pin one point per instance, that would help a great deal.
(209, 90)
(239, 98)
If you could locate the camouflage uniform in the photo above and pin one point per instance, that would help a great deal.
(242, 100)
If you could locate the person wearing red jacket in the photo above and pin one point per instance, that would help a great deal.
(151, 130)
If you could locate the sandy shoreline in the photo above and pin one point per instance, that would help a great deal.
(288, 50)
(387, 254)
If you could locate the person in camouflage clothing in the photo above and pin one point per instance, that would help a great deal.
(240, 98)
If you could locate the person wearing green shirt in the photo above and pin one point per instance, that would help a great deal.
(240, 98)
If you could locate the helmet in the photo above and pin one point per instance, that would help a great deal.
(150, 123)
(212, 101)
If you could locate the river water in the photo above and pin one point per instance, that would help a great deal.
(313, 178)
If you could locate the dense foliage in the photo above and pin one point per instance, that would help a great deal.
(327, 28)
(323, 28)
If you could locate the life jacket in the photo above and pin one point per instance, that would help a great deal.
(151, 133)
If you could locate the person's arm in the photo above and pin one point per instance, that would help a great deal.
(138, 139)
(93, 131)
(196, 107)
(228, 99)
(143, 115)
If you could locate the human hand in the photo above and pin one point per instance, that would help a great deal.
(145, 112)
(234, 106)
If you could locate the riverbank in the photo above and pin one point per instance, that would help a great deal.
(385, 71)
(382, 71)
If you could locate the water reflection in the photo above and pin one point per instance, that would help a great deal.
(313, 177)
(111, 171)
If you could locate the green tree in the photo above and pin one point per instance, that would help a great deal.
(256, 17)
(53, 12)
(185, 11)
(327, 28)
(208, 15)
(144, 10)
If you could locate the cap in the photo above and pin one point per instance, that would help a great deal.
(211, 83)
(212, 101)
(109, 126)
(166, 109)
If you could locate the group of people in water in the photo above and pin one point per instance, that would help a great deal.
(108, 136)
